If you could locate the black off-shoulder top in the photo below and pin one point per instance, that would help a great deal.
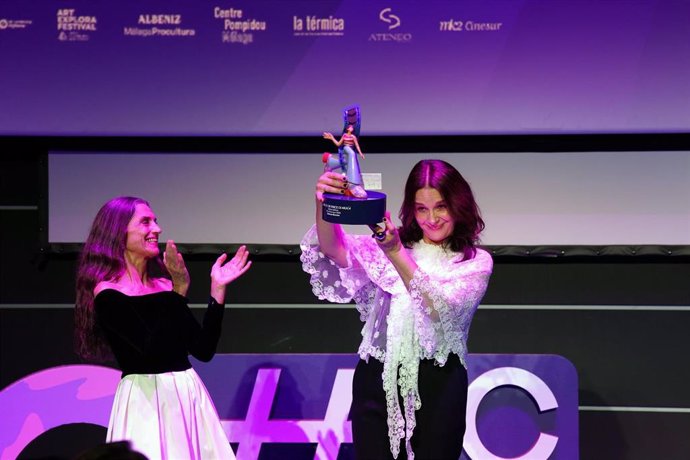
(156, 333)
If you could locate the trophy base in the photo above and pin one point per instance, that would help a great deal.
(339, 209)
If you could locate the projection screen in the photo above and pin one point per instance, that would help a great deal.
(566, 198)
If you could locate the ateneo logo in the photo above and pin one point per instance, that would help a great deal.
(393, 21)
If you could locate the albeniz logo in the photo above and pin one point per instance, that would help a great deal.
(160, 19)
(159, 25)
(386, 15)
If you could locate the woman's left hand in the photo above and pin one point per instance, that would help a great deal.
(176, 267)
(224, 273)
(391, 243)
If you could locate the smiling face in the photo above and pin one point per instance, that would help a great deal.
(142, 234)
(432, 215)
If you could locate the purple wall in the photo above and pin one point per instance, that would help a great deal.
(266, 67)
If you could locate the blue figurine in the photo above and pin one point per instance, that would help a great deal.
(346, 160)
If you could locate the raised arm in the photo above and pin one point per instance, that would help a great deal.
(203, 339)
(330, 137)
(331, 236)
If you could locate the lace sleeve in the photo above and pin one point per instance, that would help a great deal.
(448, 301)
(328, 281)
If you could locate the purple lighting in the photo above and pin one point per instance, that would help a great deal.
(270, 67)
(54, 397)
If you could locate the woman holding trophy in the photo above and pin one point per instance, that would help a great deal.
(416, 290)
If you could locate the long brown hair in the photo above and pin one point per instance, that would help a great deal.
(455, 190)
(103, 259)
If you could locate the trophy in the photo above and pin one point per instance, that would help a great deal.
(357, 206)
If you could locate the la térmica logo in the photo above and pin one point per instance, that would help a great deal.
(319, 26)
(393, 31)
(14, 24)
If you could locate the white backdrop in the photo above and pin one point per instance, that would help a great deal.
(571, 198)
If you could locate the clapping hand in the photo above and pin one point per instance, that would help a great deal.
(176, 267)
(223, 273)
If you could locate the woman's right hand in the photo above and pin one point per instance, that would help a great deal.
(330, 182)
(391, 244)
(174, 263)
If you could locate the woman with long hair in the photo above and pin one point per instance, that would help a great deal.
(416, 291)
(132, 306)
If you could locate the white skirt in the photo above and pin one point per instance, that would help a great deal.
(168, 416)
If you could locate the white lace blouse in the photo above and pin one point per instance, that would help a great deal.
(400, 328)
